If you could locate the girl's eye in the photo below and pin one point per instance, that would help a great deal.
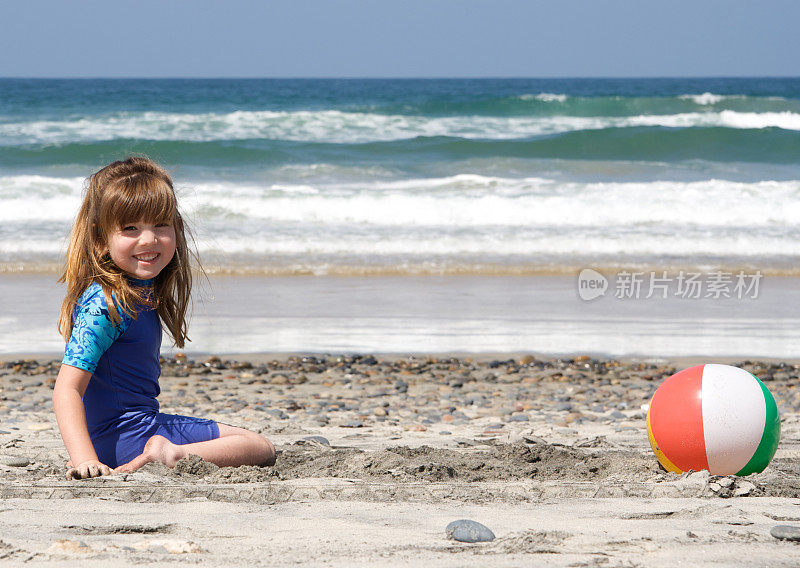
(129, 228)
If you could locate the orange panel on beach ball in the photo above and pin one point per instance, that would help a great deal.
(676, 419)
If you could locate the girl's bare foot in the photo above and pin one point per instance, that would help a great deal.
(157, 449)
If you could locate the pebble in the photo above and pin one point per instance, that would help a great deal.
(15, 462)
(786, 532)
(465, 530)
(39, 427)
(276, 412)
(318, 439)
(63, 546)
(353, 424)
(725, 481)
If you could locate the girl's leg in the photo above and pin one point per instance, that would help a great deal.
(234, 447)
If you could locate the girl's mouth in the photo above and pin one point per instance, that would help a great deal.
(147, 257)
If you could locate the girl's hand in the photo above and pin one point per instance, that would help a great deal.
(87, 469)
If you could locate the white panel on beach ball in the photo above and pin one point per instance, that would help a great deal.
(733, 417)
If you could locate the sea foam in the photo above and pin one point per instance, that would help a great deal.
(458, 201)
(333, 126)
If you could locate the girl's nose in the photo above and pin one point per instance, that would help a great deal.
(148, 237)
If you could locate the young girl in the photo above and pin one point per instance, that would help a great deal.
(128, 274)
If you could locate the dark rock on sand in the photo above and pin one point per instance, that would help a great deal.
(786, 532)
(464, 530)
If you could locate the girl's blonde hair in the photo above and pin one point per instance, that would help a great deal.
(128, 191)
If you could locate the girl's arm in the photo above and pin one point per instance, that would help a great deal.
(71, 417)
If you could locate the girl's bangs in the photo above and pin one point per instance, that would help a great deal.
(142, 201)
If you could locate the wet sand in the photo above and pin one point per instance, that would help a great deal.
(377, 454)
(433, 314)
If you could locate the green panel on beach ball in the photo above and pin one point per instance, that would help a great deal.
(769, 440)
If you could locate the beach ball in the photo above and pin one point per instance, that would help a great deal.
(714, 417)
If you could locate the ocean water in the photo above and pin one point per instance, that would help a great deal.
(399, 177)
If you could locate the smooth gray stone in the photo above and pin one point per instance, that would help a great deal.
(464, 530)
(519, 418)
(15, 462)
(353, 424)
(276, 413)
(319, 439)
(785, 532)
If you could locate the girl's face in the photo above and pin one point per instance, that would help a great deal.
(142, 249)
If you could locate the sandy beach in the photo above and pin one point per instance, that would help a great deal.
(377, 454)
(441, 299)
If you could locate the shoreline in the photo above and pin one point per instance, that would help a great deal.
(488, 271)
(478, 357)
(435, 314)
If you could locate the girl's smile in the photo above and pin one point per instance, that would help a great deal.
(142, 249)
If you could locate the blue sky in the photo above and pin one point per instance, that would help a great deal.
(413, 38)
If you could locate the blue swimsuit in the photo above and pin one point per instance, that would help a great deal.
(120, 400)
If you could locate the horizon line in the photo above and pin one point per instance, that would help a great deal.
(404, 78)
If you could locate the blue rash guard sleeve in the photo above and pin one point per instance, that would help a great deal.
(93, 331)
